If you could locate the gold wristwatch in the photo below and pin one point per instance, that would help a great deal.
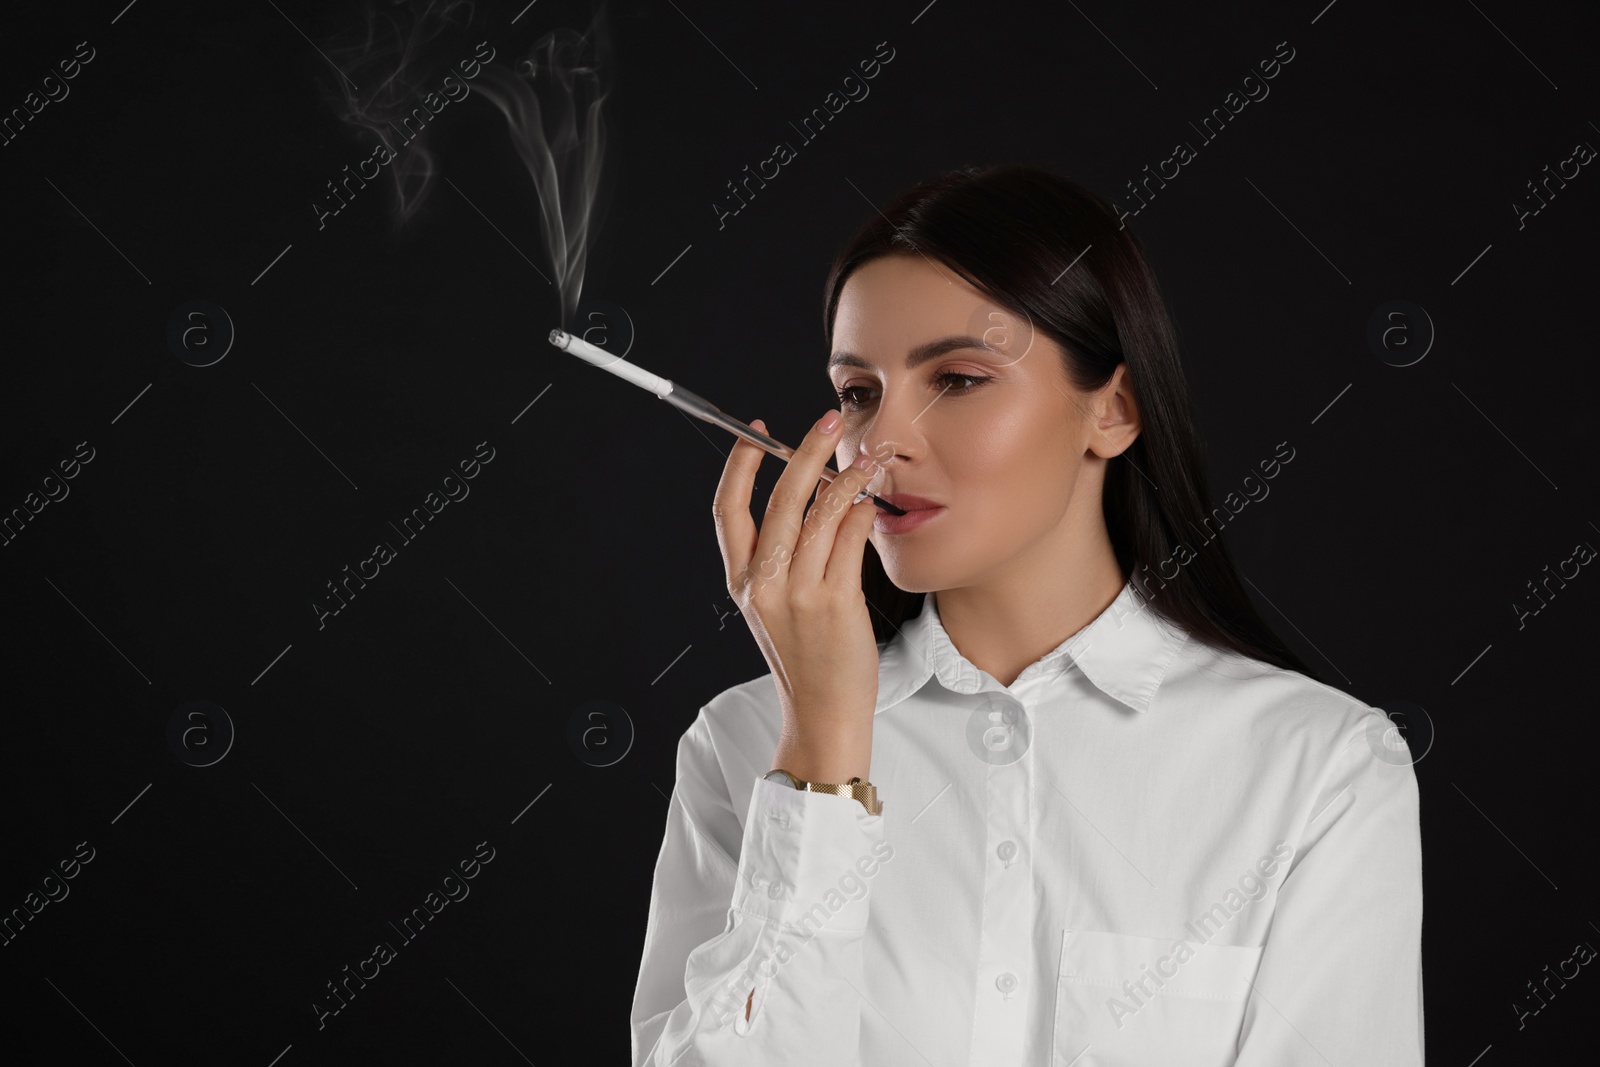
(863, 791)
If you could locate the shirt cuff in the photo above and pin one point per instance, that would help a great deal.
(808, 859)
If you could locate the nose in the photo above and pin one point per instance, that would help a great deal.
(889, 433)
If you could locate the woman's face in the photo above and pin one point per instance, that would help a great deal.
(999, 436)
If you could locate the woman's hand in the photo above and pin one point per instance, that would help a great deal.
(798, 583)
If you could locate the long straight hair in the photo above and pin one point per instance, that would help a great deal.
(1013, 232)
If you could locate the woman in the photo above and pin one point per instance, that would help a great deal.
(1120, 822)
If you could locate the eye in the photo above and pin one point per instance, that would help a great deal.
(972, 380)
(957, 384)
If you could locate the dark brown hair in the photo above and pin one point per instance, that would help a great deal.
(1012, 232)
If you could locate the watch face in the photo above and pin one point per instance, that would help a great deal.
(782, 777)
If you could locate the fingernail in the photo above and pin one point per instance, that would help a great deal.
(829, 421)
(862, 463)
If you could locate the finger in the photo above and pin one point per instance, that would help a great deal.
(786, 505)
(730, 508)
(821, 526)
(849, 545)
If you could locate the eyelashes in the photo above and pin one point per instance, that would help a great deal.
(973, 381)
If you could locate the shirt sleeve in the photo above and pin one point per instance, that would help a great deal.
(779, 925)
(1340, 979)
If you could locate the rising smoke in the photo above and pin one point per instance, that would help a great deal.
(411, 59)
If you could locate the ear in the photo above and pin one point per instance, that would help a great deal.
(1116, 415)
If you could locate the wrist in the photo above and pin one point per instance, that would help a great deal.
(825, 751)
(834, 766)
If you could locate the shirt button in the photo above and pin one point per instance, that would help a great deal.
(999, 730)
(1006, 982)
(1006, 851)
(774, 890)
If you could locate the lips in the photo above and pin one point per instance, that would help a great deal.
(919, 512)
(910, 501)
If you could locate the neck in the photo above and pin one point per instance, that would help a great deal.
(1010, 618)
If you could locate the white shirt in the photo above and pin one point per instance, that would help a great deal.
(1142, 851)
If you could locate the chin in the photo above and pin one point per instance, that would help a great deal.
(949, 563)
(914, 576)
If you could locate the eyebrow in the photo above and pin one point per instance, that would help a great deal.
(917, 356)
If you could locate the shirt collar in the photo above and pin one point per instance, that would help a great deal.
(1124, 651)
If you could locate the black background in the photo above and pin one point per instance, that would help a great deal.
(374, 753)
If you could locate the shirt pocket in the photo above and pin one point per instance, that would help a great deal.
(1127, 1001)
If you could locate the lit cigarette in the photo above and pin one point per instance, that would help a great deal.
(688, 402)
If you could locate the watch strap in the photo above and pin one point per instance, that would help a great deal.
(857, 788)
